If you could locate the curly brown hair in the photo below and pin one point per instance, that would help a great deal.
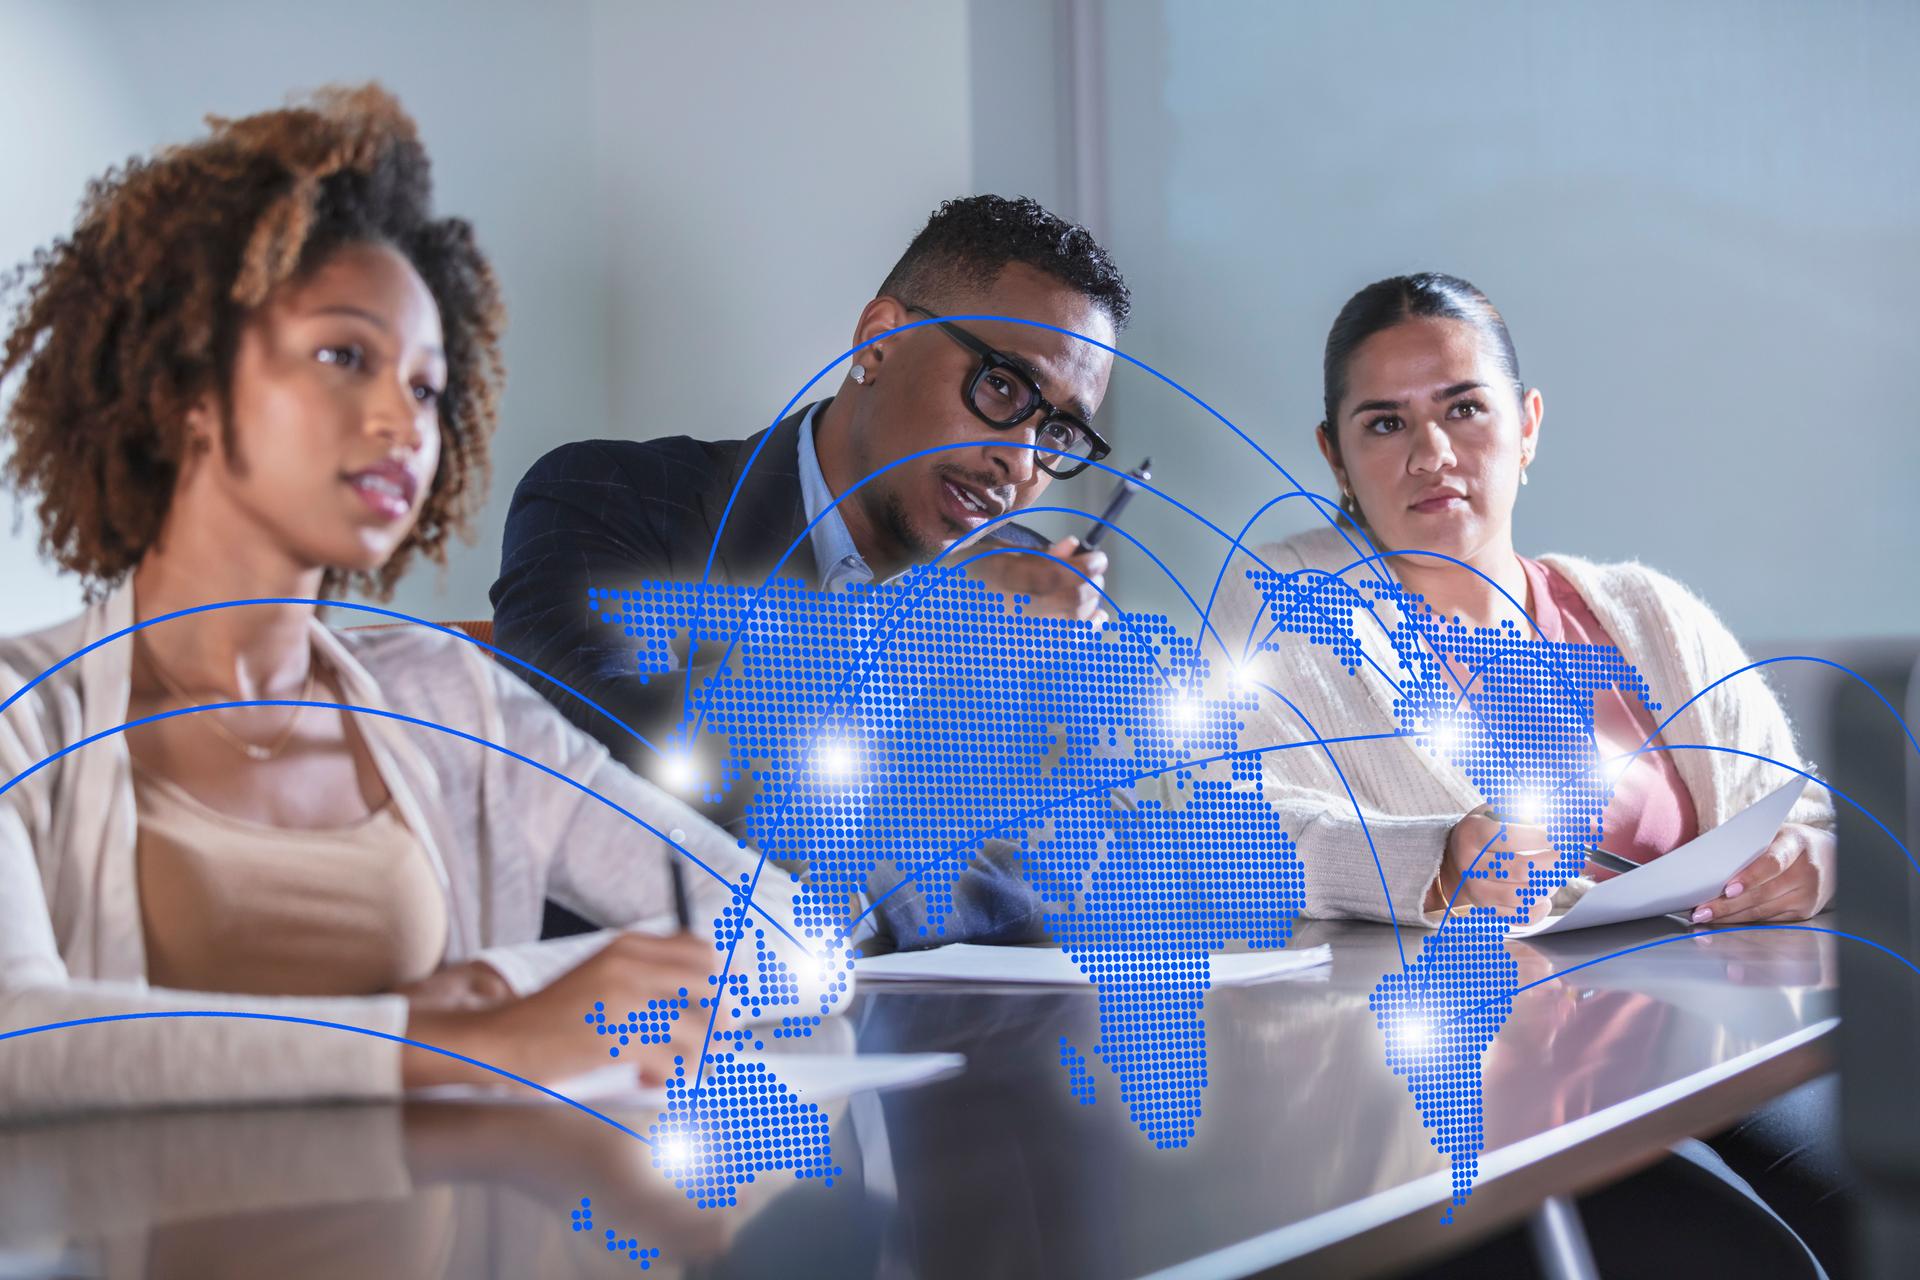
(136, 316)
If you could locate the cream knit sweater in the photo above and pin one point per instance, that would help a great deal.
(1412, 798)
(501, 834)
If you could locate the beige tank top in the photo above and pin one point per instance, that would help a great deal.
(236, 906)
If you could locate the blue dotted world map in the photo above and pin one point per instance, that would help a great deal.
(885, 737)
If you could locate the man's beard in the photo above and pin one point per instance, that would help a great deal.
(912, 543)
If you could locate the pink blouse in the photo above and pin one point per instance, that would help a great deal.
(1651, 811)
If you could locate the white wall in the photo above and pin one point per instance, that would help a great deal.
(686, 204)
(1702, 222)
(762, 166)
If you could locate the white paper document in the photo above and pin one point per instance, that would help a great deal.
(1694, 873)
(1050, 967)
(813, 1077)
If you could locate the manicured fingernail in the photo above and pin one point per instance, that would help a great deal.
(1702, 914)
(1735, 889)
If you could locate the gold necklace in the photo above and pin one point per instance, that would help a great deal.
(253, 751)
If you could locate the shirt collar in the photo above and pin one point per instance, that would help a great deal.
(839, 559)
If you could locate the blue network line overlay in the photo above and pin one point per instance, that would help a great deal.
(887, 732)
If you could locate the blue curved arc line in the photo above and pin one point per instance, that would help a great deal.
(1790, 657)
(760, 592)
(551, 772)
(761, 863)
(455, 632)
(1194, 762)
(1172, 577)
(1239, 544)
(1751, 755)
(1392, 916)
(1452, 897)
(1280, 618)
(1679, 937)
(727, 513)
(1700, 746)
(152, 1015)
(899, 610)
(1557, 670)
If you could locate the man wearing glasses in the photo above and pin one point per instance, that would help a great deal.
(937, 430)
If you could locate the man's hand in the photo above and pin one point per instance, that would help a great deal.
(1793, 879)
(1057, 591)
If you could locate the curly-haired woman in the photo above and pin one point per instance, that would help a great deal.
(260, 368)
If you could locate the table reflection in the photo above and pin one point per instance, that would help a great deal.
(999, 1170)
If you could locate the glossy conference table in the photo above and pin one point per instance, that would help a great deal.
(1309, 1158)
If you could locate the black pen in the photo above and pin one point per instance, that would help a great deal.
(1607, 861)
(1122, 494)
(681, 911)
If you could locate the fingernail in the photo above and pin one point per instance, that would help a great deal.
(1735, 889)
(1702, 914)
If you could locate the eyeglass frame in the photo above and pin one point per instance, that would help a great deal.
(991, 359)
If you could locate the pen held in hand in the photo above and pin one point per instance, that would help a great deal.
(1608, 861)
(1122, 494)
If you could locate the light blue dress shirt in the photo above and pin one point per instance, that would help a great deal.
(840, 561)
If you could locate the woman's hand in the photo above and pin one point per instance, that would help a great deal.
(1465, 843)
(474, 984)
(543, 1036)
(1793, 879)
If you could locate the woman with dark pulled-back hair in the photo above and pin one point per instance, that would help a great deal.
(1430, 432)
(261, 367)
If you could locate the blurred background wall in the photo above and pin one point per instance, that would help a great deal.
(1699, 220)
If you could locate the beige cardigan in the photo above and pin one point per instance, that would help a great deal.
(502, 837)
(1413, 798)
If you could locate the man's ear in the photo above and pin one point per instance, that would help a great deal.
(882, 315)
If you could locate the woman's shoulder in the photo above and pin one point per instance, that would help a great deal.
(1326, 549)
(1629, 585)
(440, 675)
(414, 662)
(46, 645)
(30, 655)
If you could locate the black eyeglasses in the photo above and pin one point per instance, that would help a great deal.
(1003, 395)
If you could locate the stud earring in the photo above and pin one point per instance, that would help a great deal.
(858, 373)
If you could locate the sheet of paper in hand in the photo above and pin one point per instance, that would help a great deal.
(1694, 873)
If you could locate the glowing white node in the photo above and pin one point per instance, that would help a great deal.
(678, 770)
(837, 759)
